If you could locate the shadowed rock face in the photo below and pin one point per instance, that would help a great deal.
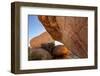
(48, 46)
(71, 31)
(39, 54)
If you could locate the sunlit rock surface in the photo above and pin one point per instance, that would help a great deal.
(38, 41)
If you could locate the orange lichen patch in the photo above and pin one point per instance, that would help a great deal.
(51, 26)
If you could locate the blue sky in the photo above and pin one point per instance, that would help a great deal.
(35, 27)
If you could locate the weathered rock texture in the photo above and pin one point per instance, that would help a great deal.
(61, 52)
(38, 41)
(39, 54)
(72, 31)
(48, 46)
